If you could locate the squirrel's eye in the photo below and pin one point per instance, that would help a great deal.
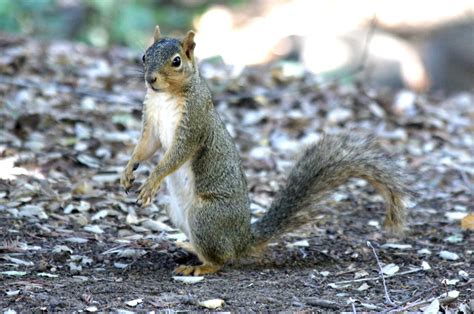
(176, 62)
(143, 58)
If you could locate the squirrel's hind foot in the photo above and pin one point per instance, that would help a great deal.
(203, 269)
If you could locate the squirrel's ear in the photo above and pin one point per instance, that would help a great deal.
(157, 33)
(189, 44)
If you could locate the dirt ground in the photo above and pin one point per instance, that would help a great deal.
(72, 240)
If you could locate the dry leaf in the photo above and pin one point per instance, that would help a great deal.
(212, 304)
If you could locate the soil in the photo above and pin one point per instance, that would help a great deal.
(70, 130)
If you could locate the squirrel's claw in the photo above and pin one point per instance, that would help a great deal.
(127, 180)
(129, 187)
(146, 193)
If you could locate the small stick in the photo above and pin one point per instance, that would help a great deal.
(377, 278)
(387, 295)
(416, 296)
(402, 309)
(323, 303)
(353, 305)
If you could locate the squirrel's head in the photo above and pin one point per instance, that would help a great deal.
(169, 62)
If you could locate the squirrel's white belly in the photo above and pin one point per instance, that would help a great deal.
(168, 115)
(181, 187)
(180, 183)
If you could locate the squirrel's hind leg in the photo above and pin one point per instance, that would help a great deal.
(205, 268)
(209, 240)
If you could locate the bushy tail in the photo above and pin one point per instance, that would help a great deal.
(323, 167)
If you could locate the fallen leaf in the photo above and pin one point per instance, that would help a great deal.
(76, 240)
(339, 287)
(456, 238)
(134, 303)
(47, 275)
(302, 243)
(363, 287)
(32, 211)
(433, 308)
(62, 248)
(92, 309)
(131, 253)
(450, 256)
(464, 275)
(390, 269)
(177, 237)
(13, 273)
(450, 282)
(100, 215)
(424, 252)
(396, 246)
(360, 274)
(155, 225)
(94, 229)
(324, 273)
(12, 293)
(212, 304)
(17, 261)
(425, 265)
(189, 279)
(453, 216)
(120, 265)
(448, 297)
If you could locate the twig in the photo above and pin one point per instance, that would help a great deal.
(387, 295)
(411, 271)
(323, 303)
(401, 309)
(353, 305)
(114, 249)
(419, 294)
(411, 299)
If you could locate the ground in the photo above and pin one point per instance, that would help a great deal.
(72, 240)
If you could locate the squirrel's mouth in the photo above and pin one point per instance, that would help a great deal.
(152, 87)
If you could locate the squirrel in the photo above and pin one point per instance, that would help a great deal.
(204, 174)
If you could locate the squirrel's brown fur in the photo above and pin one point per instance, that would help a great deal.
(203, 171)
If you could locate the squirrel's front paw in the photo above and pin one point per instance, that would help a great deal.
(128, 178)
(147, 192)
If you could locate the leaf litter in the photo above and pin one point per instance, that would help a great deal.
(70, 119)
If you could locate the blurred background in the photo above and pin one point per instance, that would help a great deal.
(421, 45)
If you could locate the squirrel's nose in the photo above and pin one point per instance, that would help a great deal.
(151, 79)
